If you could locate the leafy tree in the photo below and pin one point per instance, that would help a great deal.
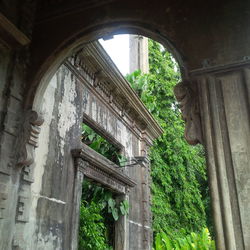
(179, 182)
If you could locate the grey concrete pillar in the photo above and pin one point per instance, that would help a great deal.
(121, 228)
(138, 53)
(225, 128)
(79, 175)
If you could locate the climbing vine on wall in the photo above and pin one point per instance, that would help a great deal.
(179, 182)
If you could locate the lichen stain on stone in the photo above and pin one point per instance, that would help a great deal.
(41, 155)
(67, 111)
(49, 242)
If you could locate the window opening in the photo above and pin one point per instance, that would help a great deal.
(100, 207)
(102, 146)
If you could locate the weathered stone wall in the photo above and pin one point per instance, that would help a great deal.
(14, 60)
(47, 187)
(5, 170)
(210, 36)
(52, 189)
(225, 96)
(11, 118)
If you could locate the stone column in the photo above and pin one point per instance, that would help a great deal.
(138, 53)
(223, 112)
(146, 202)
(121, 227)
(79, 175)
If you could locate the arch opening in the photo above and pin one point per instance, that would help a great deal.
(46, 71)
(77, 48)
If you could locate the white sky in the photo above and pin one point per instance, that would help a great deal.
(118, 50)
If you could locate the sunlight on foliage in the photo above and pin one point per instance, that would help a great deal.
(193, 241)
(179, 182)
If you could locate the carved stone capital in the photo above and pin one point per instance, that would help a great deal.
(29, 137)
(186, 94)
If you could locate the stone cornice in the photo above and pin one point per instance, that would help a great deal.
(101, 68)
(113, 104)
(103, 164)
(221, 68)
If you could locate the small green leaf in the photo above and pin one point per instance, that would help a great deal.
(115, 214)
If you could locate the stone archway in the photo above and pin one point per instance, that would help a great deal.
(213, 41)
(202, 98)
(39, 75)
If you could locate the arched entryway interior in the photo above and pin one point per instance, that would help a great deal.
(67, 119)
(211, 79)
(89, 88)
(212, 38)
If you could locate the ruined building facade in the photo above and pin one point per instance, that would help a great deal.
(209, 39)
(86, 89)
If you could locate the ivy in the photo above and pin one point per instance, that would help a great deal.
(179, 182)
(92, 228)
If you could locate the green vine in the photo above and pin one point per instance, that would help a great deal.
(180, 200)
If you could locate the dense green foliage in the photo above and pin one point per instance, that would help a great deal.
(193, 241)
(92, 228)
(98, 212)
(101, 145)
(95, 223)
(179, 183)
(99, 208)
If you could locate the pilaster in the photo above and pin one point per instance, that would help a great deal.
(224, 114)
(80, 165)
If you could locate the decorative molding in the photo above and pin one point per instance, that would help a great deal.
(29, 137)
(102, 177)
(80, 165)
(3, 199)
(92, 66)
(221, 68)
(23, 209)
(27, 174)
(100, 169)
(186, 95)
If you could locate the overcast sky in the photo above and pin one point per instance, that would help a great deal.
(118, 49)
